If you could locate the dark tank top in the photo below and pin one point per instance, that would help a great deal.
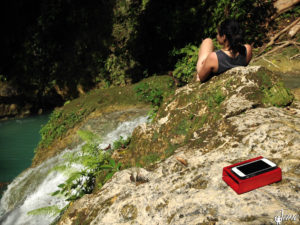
(226, 62)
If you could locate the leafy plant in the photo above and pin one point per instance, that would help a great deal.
(94, 160)
(250, 13)
(49, 210)
(121, 143)
(77, 185)
(147, 93)
(186, 66)
(151, 158)
(293, 12)
(59, 123)
(112, 167)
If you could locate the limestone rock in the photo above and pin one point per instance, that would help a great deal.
(224, 121)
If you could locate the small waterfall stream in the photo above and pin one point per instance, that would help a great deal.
(32, 189)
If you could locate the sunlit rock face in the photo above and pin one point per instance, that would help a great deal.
(197, 132)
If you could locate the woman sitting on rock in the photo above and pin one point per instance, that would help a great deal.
(234, 52)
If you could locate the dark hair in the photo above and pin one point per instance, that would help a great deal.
(234, 35)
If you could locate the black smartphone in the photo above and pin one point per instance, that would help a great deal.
(253, 168)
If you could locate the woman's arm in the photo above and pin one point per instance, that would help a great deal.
(210, 65)
(249, 53)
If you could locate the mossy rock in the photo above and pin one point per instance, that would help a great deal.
(281, 61)
(278, 96)
(61, 130)
(193, 114)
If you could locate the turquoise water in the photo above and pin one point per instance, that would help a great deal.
(18, 139)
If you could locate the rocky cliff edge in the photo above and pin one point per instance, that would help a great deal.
(239, 115)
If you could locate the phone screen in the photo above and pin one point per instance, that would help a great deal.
(254, 167)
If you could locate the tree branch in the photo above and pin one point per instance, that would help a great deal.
(278, 34)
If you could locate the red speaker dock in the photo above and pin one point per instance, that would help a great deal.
(244, 185)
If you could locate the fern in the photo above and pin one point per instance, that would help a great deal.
(121, 143)
(49, 210)
(94, 160)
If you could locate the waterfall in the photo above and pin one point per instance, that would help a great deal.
(32, 189)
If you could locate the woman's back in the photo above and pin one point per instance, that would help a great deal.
(234, 52)
(225, 62)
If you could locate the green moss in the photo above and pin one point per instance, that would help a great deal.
(59, 123)
(278, 95)
(70, 115)
(155, 136)
(183, 127)
(170, 150)
(228, 83)
(213, 97)
(151, 158)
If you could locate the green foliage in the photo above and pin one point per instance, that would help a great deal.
(293, 12)
(213, 98)
(147, 93)
(216, 44)
(121, 143)
(250, 13)
(112, 168)
(89, 137)
(151, 158)
(203, 120)
(242, 10)
(78, 184)
(115, 65)
(59, 123)
(266, 80)
(67, 102)
(94, 160)
(49, 210)
(171, 149)
(186, 66)
(277, 95)
(183, 127)
(112, 42)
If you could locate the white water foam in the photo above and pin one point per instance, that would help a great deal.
(125, 129)
(32, 189)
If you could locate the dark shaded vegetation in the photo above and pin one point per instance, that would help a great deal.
(53, 50)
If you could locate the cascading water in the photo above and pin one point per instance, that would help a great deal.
(32, 189)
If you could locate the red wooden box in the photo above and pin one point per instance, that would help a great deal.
(244, 185)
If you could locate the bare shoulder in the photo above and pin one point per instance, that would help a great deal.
(212, 61)
(249, 52)
(211, 58)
